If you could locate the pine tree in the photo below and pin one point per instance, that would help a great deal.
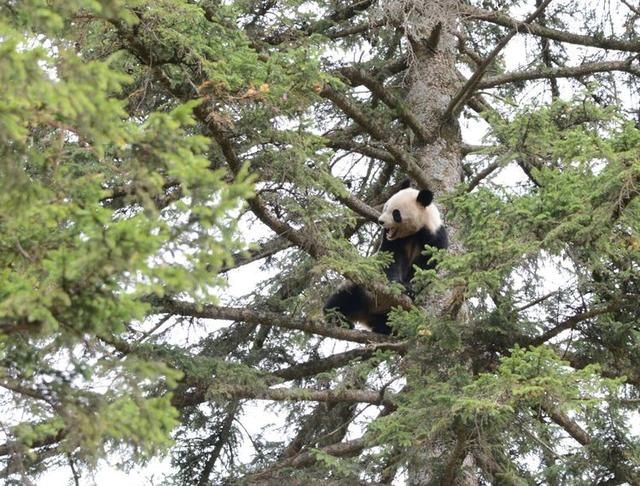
(151, 150)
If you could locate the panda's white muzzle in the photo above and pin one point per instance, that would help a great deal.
(390, 231)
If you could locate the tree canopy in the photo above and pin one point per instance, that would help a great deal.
(154, 151)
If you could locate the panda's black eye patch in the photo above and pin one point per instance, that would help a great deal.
(397, 217)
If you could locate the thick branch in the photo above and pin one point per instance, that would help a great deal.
(467, 149)
(317, 366)
(359, 207)
(402, 158)
(562, 72)
(359, 77)
(571, 427)
(241, 392)
(350, 10)
(308, 458)
(570, 323)
(452, 467)
(458, 100)
(501, 18)
(264, 318)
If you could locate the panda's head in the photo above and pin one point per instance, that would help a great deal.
(407, 212)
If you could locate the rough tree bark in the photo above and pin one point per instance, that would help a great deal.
(431, 85)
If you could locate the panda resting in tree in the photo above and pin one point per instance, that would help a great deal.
(410, 221)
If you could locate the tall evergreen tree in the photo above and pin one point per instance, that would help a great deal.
(152, 149)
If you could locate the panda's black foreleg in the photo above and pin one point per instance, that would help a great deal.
(350, 301)
(378, 323)
(398, 269)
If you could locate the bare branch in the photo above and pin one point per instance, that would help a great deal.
(221, 437)
(562, 72)
(483, 174)
(635, 10)
(505, 20)
(264, 250)
(547, 58)
(266, 319)
(483, 108)
(570, 323)
(359, 77)
(308, 458)
(317, 366)
(242, 392)
(458, 100)
(402, 158)
(572, 428)
(360, 148)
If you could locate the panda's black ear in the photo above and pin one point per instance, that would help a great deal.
(425, 197)
(405, 184)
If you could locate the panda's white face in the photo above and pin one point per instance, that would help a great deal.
(407, 212)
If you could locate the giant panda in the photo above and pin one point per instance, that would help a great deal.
(410, 221)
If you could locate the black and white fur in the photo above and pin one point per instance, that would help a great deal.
(410, 221)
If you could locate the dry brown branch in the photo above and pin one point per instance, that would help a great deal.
(570, 323)
(332, 362)
(359, 77)
(570, 426)
(257, 205)
(264, 250)
(401, 157)
(500, 18)
(561, 72)
(264, 318)
(306, 459)
(459, 99)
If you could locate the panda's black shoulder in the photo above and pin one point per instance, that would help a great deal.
(392, 245)
(401, 244)
(439, 239)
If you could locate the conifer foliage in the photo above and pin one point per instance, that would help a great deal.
(152, 152)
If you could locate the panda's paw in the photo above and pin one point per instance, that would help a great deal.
(334, 318)
(410, 292)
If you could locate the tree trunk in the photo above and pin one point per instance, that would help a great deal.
(431, 86)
